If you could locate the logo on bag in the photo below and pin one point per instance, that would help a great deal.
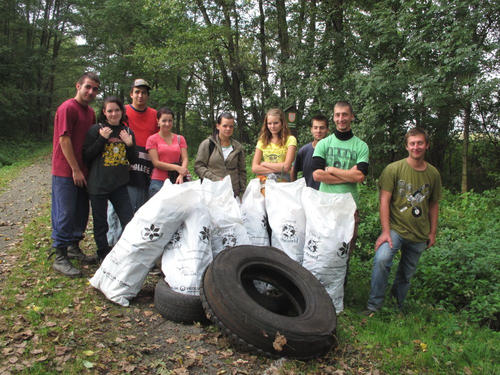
(229, 240)
(205, 234)
(176, 239)
(151, 233)
(312, 245)
(288, 233)
(344, 249)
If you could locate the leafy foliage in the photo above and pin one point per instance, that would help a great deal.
(462, 271)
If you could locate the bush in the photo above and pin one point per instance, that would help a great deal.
(462, 272)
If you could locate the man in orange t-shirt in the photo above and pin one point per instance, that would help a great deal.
(142, 120)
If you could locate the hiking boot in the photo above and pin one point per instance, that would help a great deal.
(62, 263)
(74, 252)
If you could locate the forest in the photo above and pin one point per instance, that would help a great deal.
(428, 63)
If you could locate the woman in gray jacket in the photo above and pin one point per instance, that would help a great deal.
(220, 155)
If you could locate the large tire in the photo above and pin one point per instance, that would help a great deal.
(176, 306)
(300, 309)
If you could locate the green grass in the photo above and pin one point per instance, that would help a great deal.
(43, 314)
(17, 154)
(67, 313)
(426, 339)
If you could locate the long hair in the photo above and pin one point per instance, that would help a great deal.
(265, 135)
(118, 102)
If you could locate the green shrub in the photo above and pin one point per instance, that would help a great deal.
(462, 272)
(463, 275)
(369, 226)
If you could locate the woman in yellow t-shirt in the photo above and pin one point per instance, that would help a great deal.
(275, 150)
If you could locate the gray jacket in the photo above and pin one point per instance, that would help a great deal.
(214, 167)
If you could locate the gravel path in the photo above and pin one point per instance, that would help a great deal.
(19, 203)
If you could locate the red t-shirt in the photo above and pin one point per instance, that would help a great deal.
(166, 153)
(143, 123)
(74, 120)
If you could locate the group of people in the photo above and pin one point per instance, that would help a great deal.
(126, 156)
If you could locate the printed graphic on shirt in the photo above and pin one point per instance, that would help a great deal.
(413, 195)
(342, 158)
(273, 158)
(115, 153)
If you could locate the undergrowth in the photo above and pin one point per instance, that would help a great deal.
(16, 154)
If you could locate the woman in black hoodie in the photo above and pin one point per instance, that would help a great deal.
(109, 150)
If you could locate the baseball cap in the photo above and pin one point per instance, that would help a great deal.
(141, 82)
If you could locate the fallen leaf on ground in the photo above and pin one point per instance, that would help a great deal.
(88, 364)
(181, 371)
(279, 342)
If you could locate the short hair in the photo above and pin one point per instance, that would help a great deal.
(164, 111)
(118, 102)
(416, 131)
(90, 75)
(343, 103)
(226, 115)
(320, 118)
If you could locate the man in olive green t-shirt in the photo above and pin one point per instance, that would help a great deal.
(410, 190)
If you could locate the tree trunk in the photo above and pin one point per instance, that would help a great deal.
(284, 45)
(465, 147)
(263, 54)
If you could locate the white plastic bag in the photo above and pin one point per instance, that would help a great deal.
(188, 253)
(329, 230)
(122, 273)
(253, 210)
(228, 230)
(114, 226)
(286, 216)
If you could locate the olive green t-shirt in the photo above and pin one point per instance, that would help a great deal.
(412, 191)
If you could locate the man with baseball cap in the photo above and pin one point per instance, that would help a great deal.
(142, 120)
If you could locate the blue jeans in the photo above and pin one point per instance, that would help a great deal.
(382, 263)
(155, 186)
(121, 203)
(70, 211)
(138, 196)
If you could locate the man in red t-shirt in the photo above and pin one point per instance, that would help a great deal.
(70, 205)
(142, 120)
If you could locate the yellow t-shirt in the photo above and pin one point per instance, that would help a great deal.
(274, 153)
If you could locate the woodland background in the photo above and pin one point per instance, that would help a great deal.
(429, 63)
